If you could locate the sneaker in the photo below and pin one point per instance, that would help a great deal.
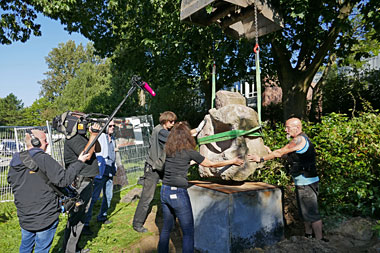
(87, 231)
(140, 229)
(308, 236)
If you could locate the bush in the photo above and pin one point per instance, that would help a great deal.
(345, 93)
(347, 160)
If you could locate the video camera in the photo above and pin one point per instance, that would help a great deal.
(70, 123)
(70, 199)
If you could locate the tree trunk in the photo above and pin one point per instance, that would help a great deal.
(293, 98)
(315, 112)
(296, 77)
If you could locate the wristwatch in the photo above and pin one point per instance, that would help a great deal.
(262, 159)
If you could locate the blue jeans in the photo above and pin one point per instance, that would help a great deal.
(105, 184)
(42, 239)
(176, 203)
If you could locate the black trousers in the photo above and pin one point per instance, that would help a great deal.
(151, 179)
(75, 221)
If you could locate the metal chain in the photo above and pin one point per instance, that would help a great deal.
(256, 26)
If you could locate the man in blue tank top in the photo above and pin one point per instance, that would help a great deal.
(300, 154)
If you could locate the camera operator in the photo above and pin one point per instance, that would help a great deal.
(83, 183)
(36, 201)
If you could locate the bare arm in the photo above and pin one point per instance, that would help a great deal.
(193, 131)
(236, 161)
(295, 144)
(196, 130)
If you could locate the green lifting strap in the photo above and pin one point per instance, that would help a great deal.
(229, 135)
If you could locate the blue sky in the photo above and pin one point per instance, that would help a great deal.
(22, 65)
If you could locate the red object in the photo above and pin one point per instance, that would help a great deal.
(256, 48)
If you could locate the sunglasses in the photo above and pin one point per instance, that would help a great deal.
(111, 126)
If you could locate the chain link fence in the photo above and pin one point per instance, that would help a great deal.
(132, 138)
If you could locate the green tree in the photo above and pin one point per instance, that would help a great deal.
(364, 45)
(148, 35)
(314, 30)
(76, 78)
(37, 114)
(89, 90)
(148, 39)
(63, 63)
(17, 21)
(18, 17)
(10, 110)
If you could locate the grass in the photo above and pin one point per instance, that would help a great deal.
(115, 237)
(10, 233)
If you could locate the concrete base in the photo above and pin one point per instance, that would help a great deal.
(231, 218)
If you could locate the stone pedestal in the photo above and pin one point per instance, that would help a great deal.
(231, 218)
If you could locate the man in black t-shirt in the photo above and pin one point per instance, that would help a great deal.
(84, 184)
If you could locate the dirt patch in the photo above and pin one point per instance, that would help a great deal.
(150, 240)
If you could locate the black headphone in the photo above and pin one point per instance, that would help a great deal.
(35, 141)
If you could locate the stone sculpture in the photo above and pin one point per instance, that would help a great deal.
(230, 113)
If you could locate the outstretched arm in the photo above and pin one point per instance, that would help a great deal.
(236, 161)
(295, 144)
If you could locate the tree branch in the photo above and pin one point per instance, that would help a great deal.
(282, 58)
(333, 33)
(326, 71)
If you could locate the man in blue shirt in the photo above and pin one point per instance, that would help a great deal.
(300, 153)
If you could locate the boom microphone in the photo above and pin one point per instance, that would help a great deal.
(136, 80)
(148, 89)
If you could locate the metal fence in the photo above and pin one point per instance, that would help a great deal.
(11, 141)
(133, 153)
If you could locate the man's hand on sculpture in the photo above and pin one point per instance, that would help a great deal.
(238, 161)
(253, 158)
(267, 149)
